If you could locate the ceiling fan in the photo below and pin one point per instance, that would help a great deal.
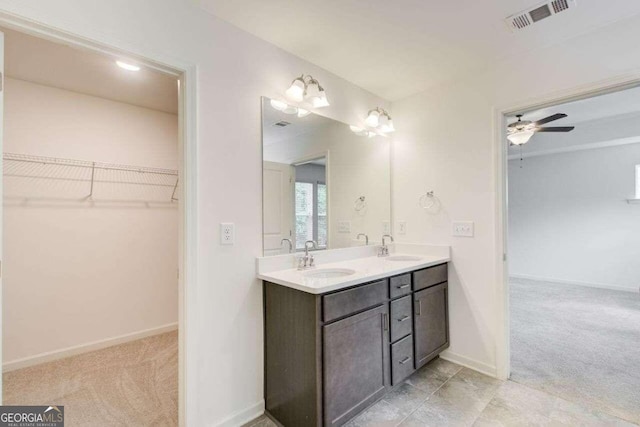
(519, 133)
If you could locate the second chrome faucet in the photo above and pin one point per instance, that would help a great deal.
(384, 249)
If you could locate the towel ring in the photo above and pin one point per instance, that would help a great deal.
(360, 203)
(428, 200)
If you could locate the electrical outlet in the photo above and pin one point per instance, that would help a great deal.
(386, 227)
(402, 227)
(462, 228)
(227, 233)
(344, 227)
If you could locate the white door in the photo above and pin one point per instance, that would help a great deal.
(278, 207)
(1, 186)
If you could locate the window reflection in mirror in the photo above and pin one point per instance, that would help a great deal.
(321, 182)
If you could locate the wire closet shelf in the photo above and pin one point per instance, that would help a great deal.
(91, 174)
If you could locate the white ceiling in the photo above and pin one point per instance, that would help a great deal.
(618, 103)
(52, 64)
(597, 119)
(397, 48)
(298, 126)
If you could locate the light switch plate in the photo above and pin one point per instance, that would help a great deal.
(227, 233)
(386, 227)
(344, 227)
(462, 228)
(402, 227)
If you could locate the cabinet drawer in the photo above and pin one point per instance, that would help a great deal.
(343, 303)
(400, 285)
(401, 360)
(401, 318)
(429, 277)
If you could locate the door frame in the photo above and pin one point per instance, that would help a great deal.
(500, 171)
(187, 175)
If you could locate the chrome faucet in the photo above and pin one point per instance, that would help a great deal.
(366, 238)
(307, 260)
(288, 241)
(384, 249)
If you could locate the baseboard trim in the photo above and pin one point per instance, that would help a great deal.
(243, 416)
(571, 282)
(467, 362)
(84, 348)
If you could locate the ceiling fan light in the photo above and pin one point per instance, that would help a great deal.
(520, 138)
(278, 105)
(303, 113)
(373, 119)
(296, 90)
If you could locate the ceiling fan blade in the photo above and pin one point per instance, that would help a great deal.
(551, 118)
(555, 129)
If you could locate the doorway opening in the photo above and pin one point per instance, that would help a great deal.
(93, 233)
(310, 203)
(573, 198)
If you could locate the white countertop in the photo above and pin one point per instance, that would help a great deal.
(367, 269)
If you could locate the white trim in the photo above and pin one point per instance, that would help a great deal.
(243, 416)
(476, 365)
(187, 282)
(503, 353)
(577, 283)
(637, 185)
(50, 356)
(580, 147)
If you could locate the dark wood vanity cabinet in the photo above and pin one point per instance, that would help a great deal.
(356, 364)
(329, 357)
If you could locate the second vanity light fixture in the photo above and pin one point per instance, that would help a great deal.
(306, 88)
(379, 120)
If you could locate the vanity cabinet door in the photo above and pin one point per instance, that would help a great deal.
(431, 323)
(356, 364)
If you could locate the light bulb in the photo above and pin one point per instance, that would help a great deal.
(296, 90)
(303, 113)
(279, 105)
(520, 138)
(373, 119)
(322, 100)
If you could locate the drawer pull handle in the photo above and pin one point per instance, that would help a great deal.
(403, 318)
(405, 360)
(403, 286)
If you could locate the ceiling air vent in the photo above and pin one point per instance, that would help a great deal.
(282, 124)
(537, 13)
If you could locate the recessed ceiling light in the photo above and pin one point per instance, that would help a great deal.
(127, 66)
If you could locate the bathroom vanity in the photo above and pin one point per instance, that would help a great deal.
(336, 342)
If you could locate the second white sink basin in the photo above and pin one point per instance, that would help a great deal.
(328, 273)
(403, 258)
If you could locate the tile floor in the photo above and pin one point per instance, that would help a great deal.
(445, 394)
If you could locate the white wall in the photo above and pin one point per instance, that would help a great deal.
(445, 142)
(569, 220)
(77, 272)
(224, 328)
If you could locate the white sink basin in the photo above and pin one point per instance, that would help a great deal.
(404, 258)
(328, 273)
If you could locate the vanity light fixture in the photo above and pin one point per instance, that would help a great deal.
(127, 66)
(289, 109)
(362, 132)
(380, 120)
(306, 88)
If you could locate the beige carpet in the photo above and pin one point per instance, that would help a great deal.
(132, 384)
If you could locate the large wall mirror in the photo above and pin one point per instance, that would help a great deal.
(321, 181)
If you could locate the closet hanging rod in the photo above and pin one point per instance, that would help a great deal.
(26, 158)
